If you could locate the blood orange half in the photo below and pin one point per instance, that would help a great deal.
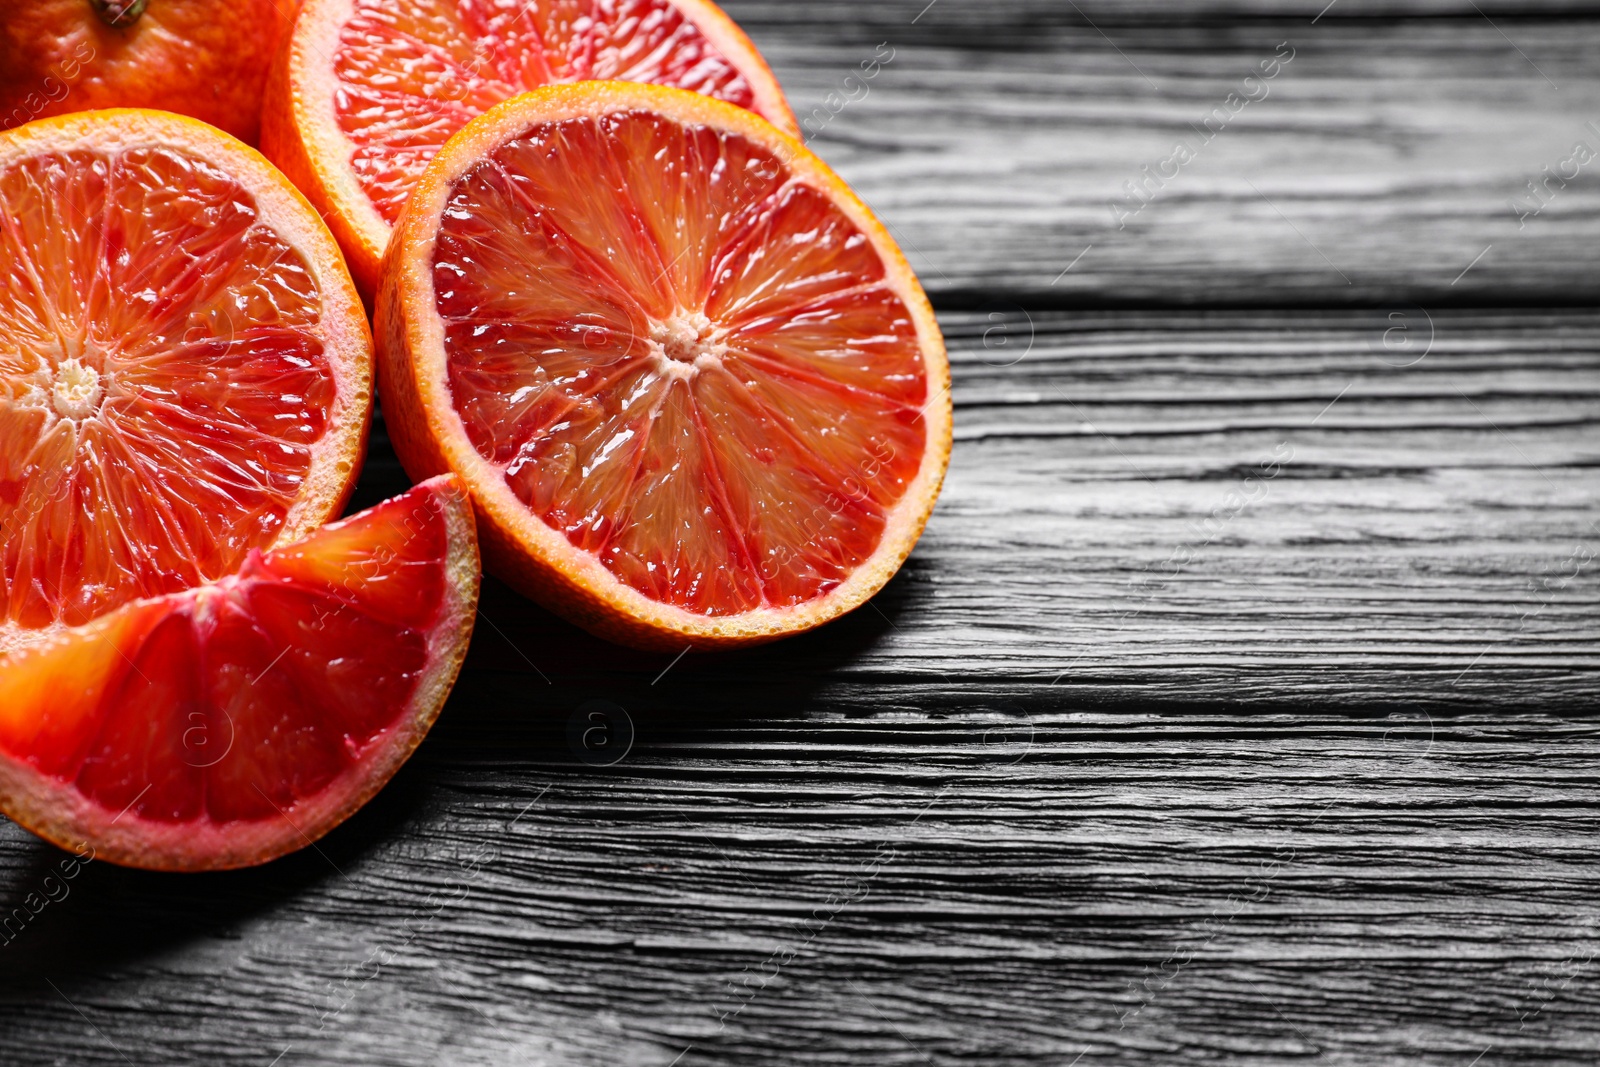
(229, 724)
(697, 394)
(366, 91)
(185, 366)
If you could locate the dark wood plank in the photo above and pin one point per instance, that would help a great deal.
(1378, 166)
(905, 888)
(1275, 508)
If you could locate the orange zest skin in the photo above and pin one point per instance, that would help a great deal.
(366, 91)
(204, 58)
(185, 366)
(229, 724)
(696, 392)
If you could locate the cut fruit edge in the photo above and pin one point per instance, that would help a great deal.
(57, 811)
(344, 328)
(519, 547)
(300, 129)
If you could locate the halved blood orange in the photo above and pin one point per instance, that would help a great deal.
(185, 366)
(229, 724)
(366, 91)
(696, 392)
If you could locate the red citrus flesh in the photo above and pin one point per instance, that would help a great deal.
(410, 74)
(670, 335)
(225, 725)
(366, 92)
(685, 448)
(185, 374)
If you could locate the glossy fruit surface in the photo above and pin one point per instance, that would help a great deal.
(369, 90)
(229, 724)
(694, 388)
(204, 58)
(185, 366)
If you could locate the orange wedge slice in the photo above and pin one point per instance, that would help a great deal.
(229, 724)
(696, 392)
(366, 91)
(185, 367)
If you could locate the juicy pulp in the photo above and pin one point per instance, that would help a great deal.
(686, 361)
(412, 74)
(235, 702)
(162, 384)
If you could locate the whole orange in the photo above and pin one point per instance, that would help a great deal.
(203, 58)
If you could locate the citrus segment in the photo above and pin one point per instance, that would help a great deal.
(229, 724)
(696, 391)
(185, 373)
(368, 91)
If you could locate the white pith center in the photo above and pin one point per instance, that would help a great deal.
(77, 390)
(685, 343)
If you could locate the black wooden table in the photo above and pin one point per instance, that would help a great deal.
(1234, 708)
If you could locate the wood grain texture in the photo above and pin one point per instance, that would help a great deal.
(944, 886)
(947, 829)
(1152, 754)
(1379, 164)
(1273, 508)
